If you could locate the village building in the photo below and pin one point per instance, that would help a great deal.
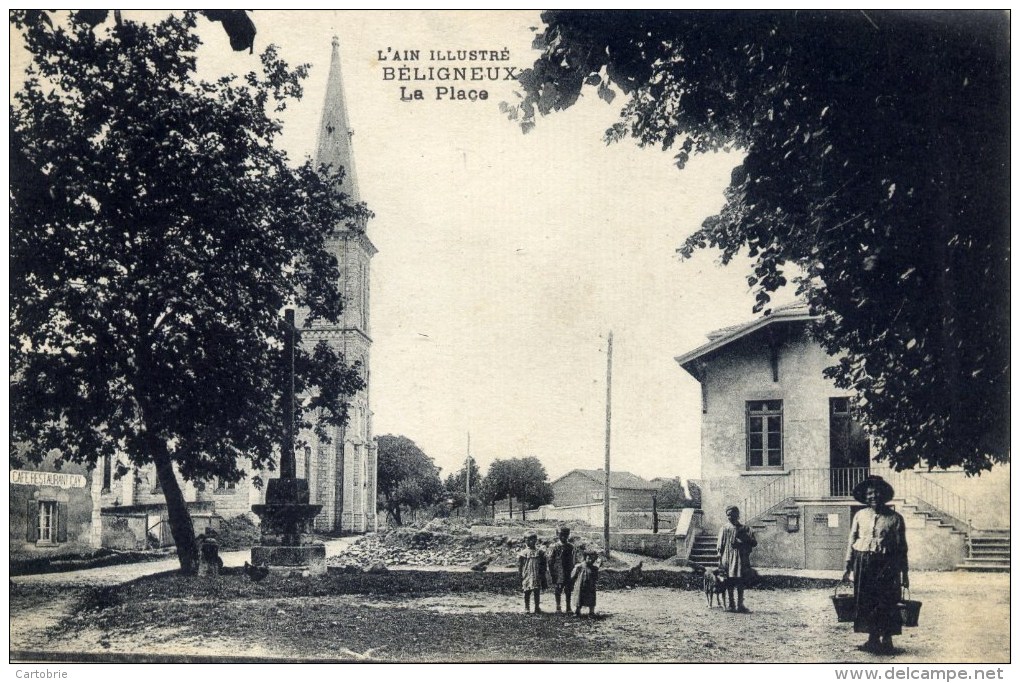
(51, 509)
(341, 472)
(780, 441)
(584, 487)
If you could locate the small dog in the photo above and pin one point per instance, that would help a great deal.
(715, 584)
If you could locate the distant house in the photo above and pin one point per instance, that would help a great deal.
(584, 487)
(52, 508)
(779, 440)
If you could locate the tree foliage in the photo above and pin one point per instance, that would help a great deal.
(672, 495)
(456, 485)
(236, 23)
(875, 176)
(156, 234)
(523, 479)
(407, 479)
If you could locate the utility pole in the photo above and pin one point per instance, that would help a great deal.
(467, 473)
(609, 416)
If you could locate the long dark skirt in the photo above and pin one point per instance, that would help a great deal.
(876, 593)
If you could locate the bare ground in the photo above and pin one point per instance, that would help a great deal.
(412, 616)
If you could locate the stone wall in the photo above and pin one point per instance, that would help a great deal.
(661, 545)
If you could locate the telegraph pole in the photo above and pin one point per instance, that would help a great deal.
(609, 415)
(467, 472)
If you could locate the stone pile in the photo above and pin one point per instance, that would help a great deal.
(436, 546)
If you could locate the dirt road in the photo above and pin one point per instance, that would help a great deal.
(641, 624)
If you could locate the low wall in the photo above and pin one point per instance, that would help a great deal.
(592, 514)
(661, 545)
(644, 519)
(688, 526)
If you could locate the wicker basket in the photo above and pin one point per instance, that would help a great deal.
(844, 603)
(910, 610)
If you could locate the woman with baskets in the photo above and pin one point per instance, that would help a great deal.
(877, 559)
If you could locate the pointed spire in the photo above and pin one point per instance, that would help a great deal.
(335, 132)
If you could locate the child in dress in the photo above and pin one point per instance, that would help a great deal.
(531, 566)
(585, 577)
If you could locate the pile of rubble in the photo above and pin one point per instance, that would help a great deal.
(441, 545)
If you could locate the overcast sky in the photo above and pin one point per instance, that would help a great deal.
(504, 259)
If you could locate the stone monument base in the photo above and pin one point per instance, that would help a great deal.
(291, 557)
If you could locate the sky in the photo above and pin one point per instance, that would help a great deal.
(505, 259)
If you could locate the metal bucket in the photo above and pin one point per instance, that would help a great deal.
(910, 610)
(845, 604)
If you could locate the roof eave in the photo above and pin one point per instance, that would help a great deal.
(688, 360)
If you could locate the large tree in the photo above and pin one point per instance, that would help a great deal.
(523, 479)
(875, 176)
(407, 479)
(156, 234)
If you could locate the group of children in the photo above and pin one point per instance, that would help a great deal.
(560, 566)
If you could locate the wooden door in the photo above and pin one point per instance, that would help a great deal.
(849, 451)
(826, 531)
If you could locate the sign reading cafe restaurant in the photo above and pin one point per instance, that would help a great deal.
(59, 479)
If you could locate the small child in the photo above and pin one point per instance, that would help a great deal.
(585, 577)
(531, 566)
(561, 564)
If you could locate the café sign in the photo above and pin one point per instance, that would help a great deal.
(60, 479)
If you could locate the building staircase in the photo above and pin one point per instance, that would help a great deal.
(988, 552)
(703, 551)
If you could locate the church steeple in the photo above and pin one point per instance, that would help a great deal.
(334, 147)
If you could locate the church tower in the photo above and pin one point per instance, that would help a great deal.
(342, 473)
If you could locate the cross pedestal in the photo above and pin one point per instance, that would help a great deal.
(286, 520)
(287, 516)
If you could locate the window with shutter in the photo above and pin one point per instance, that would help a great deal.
(32, 522)
(61, 522)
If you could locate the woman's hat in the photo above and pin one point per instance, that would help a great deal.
(882, 487)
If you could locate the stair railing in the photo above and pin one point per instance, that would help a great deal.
(839, 482)
(910, 484)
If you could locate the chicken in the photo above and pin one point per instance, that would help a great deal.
(256, 572)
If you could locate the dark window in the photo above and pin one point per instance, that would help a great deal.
(764, 434)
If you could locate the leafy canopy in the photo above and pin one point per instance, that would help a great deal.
(524, 479)
(875, 177)
(156, 235)
(456, 485)
(406, 478)
(672, 495)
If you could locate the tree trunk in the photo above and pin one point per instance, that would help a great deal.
(510, 501)
(181, 526)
